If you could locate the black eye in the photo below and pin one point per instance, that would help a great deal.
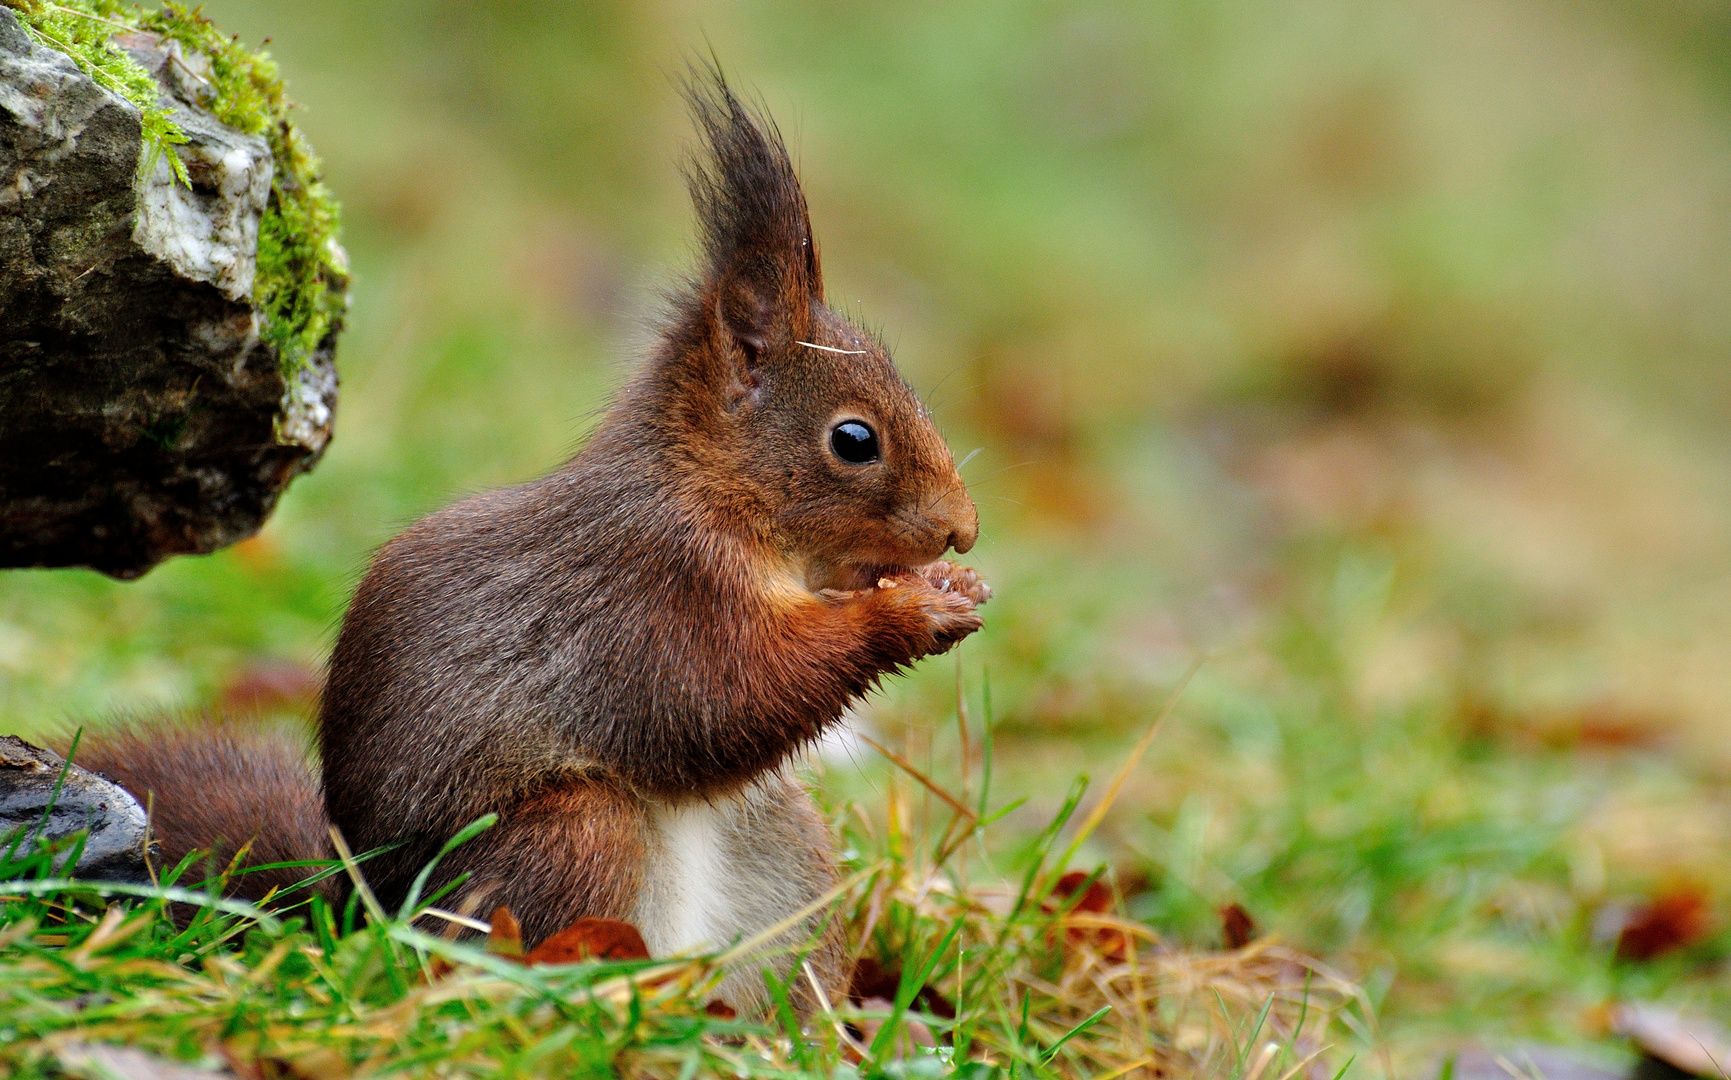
(854, 442)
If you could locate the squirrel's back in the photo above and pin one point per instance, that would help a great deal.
(514, 635)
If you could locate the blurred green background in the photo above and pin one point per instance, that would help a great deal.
(1377, 352)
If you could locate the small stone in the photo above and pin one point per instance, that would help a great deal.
(1692, 1044)
(99, 1061)
(1530, 1061)
(114, 848)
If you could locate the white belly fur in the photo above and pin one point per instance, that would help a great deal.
(722, 870)
(684, 906)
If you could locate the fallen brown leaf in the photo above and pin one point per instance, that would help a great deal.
(506, 937)
(1237, 928)
(1112, 945)
(1672, 920)
(591, 939)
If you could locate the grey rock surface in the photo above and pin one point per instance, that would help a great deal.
(114, 849)
(141, 415)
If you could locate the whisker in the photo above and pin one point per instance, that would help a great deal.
(1005, 469)
(959, 388)
(939, 497)
(971, 455)
(826, 348)
(931, 396)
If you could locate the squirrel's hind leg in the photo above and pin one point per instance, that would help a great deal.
(568, 851)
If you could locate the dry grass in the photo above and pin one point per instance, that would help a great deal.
(1099, 995)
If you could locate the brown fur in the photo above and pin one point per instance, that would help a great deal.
(619, 657)
(215, 785)
(689, 600)
(570, 850)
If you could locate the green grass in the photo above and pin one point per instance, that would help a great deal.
(301, 989)
(1373, 353)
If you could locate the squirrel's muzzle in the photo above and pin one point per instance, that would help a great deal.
(957, 512)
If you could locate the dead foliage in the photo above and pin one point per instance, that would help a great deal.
(1675, 919)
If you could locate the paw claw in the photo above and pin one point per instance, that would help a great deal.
(947, 577)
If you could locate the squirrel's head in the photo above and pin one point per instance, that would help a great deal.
(798, 418)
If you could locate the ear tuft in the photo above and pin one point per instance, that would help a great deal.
(761, 259)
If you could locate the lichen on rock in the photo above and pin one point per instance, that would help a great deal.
(168, 311)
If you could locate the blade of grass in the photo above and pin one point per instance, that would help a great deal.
(375, 910)
(824, 1006)
(930, 785)
(1052, 1051)
(1098, 814)
(985, 742)
(962, 725)
(1021, 1033)
(168, 893)
(149, 823)
(1255, 1033)
(1043, 848)
(1130, 1068)
(784, 1012)
(912, 983)
(53, 797)
(458, 920)
(464, 835)
(756, 941)
(1305, 1064)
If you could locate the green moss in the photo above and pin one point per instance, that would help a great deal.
(301, 283)
(81, 31)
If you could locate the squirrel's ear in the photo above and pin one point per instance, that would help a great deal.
(763, 303)
(762, 266)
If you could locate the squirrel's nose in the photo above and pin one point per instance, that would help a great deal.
(964, 521)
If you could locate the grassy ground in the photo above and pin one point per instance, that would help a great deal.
(1372, 354)
(1033, 974)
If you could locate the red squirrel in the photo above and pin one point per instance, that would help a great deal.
(620, 658)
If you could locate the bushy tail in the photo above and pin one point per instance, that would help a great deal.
(215, 784)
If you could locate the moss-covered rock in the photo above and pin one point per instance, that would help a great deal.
(302, 277)
(171, 287)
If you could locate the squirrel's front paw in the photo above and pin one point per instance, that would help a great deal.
(946, 576)
(944, 616)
